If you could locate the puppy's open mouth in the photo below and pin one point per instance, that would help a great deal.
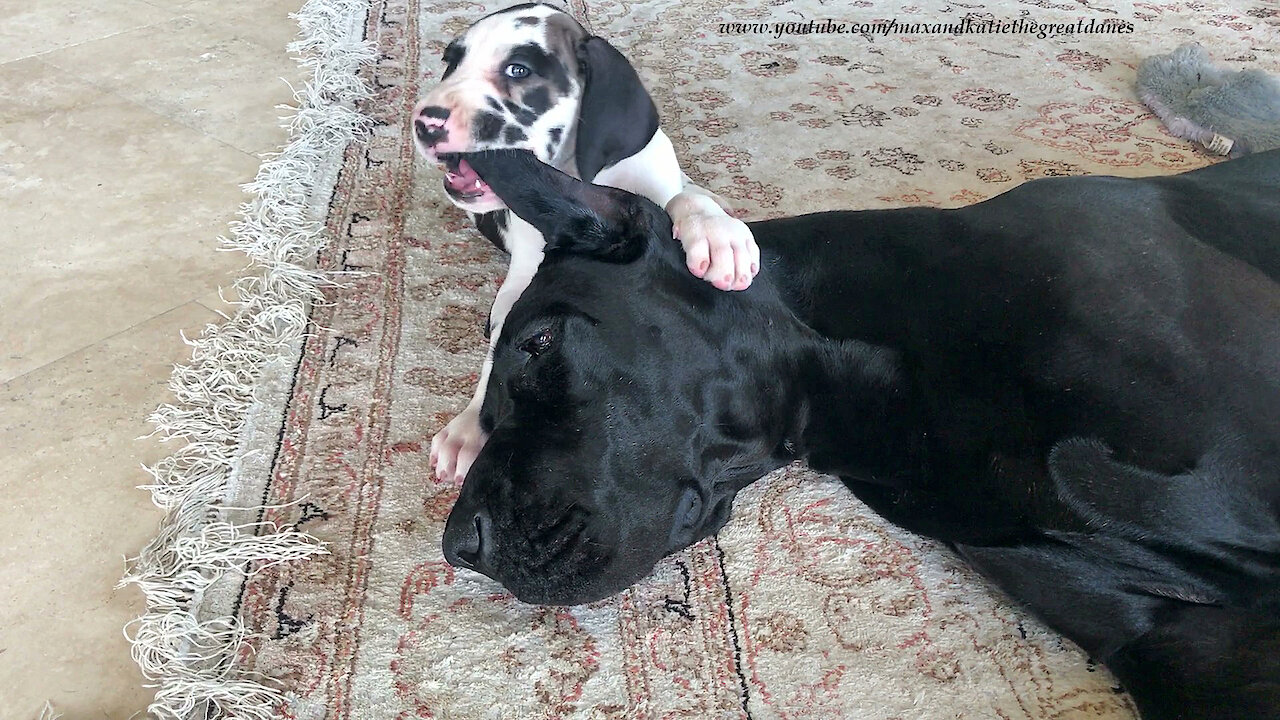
(461, 181)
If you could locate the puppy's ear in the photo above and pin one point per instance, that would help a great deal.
(617, 118)
(573, 216)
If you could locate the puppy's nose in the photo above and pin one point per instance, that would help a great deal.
(429, 124)
(467, 543)
(429, 134)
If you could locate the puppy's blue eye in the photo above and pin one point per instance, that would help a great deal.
(515, 70)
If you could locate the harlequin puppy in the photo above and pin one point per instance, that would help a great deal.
(532, 77)
(1076, 384)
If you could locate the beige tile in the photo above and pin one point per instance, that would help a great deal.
(221, 300)
(34, 26)
(201, 75)
(71, 459)
(111, 214)
(265, 22)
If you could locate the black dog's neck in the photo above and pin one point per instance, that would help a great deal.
(849, 410)
(857, 275)
(838, 274)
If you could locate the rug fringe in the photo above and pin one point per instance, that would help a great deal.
(192, 662)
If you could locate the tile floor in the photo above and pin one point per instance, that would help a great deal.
(126, 128)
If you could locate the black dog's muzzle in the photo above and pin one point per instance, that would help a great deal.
(468, 540)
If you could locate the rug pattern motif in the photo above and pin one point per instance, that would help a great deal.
(805, 606)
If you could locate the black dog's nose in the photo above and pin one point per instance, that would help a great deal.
(466, 544)
(429, 135)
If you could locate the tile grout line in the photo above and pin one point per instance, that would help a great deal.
(39, 58)
(175, 121)
(105, 338)
(37, 55)
(144, 26)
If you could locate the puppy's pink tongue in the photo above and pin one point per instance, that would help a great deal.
(465, 179)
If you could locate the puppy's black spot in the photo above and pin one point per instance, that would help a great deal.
(486, 126)
(523, 115)
(493, 102)
(559, 75)
(543, 63)
(555, 134)
(513, 134)
(453, 54)
(528, 20)
(551, 150)
(537, 99)
(435, 111)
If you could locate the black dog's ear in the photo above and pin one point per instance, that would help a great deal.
(617, 118)
(573, 216)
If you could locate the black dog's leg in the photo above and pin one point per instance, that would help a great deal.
(1129, 500)
(1198, 512)
(1178, 659)
(1180, 634)
(1079, 593)
(1202, 663)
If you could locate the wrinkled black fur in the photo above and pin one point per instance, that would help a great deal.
(1076, 384)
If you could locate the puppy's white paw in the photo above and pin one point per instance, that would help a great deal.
(454, 448)
(718, 248)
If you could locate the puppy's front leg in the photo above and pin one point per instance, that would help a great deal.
(718, 247)
(454, 448)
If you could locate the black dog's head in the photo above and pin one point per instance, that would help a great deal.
(628, 402)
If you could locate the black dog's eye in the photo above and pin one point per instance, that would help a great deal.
(537, 344)
(515, 70)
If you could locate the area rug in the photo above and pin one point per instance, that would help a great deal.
(806, 605)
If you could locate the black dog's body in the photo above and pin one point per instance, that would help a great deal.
(1094, 308)
(1087, 405)
(1077, 384)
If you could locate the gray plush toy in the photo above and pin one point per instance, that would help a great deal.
(1230, 113)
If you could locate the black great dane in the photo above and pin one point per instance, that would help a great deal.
(1076, 384)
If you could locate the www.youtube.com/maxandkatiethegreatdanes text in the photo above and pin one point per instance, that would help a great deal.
(963, 26)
